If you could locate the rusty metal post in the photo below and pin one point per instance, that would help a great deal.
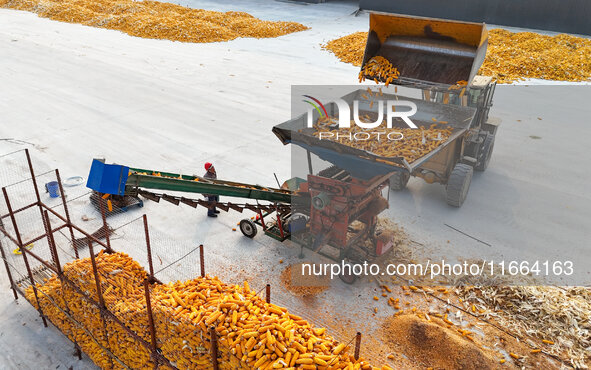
(32, 172)
(99, 292)
(148, 245)
(357, 345)
(151, 322)
(6, 265)
(35, 186)
(51, 242)
(268, 293)
(56, 260)
(105, 225)
(214, 347)
(201, 260)
(67, 212)
(24, 254)
(97, 280)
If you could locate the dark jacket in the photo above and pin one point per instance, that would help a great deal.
(211, 176)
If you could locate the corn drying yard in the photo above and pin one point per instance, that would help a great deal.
(171, 86)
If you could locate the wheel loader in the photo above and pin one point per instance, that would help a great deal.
(441, 58)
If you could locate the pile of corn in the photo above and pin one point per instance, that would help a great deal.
(510, 56)
(415, 143)
(516, 56)
(348, 49)
(251, 333)
(156, 20)
(380, 69)
(122, 286)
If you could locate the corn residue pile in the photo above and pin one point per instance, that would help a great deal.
(509, 57)
(156, 20)
(559, 318)
(433, 343)
(301, 284)
(251, 333)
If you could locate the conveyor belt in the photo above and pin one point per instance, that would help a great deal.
(149, 179)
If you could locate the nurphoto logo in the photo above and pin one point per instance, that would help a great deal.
(344, 120)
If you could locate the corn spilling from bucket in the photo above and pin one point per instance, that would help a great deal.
(379, 69)
(252, 334)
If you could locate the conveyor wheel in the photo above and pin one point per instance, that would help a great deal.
(458, 184)
(248, 228)
(485, 152)
(398, 180)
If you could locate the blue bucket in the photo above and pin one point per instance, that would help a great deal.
(53, 189)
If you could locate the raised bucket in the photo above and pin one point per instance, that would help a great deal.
(426, 49)
(53, 189)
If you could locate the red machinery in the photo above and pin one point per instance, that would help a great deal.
(338, 200)
(332, 213)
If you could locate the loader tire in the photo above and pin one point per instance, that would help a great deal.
(485, 153)
(398, 180)
(458, 184)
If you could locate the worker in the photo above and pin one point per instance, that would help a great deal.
(212, 175)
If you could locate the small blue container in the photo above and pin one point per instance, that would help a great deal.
(53, 189)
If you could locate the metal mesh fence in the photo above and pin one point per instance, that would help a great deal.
(58, 246)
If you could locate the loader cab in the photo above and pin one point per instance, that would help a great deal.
(478, 95)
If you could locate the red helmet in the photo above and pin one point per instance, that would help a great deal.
(208, 166)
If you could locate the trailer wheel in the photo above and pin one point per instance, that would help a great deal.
(458, 184)
(485, 153)
(248, 228)
(398, 180)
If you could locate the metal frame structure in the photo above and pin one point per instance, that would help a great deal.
(54, 266)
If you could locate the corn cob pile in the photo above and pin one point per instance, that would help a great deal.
(516, 56)
(414, 144)
(156, 20)
(379, 68)
(122, 286)
(510, 56)
(349, 48)
(251, 333)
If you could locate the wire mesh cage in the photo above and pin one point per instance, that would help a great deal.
(129, 295)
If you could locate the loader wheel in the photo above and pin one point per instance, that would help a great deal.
(398, 180)
(458, 184)
(485, 153)
(248, 228)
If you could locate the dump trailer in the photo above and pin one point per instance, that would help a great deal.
(441, 58)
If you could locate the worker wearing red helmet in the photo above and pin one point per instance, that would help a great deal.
(211, 174)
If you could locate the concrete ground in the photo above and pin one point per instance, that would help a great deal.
(71, 93)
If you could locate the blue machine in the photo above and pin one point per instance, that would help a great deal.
(111, 179)
(107, 178)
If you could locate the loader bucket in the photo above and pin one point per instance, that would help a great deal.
(426, 49)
